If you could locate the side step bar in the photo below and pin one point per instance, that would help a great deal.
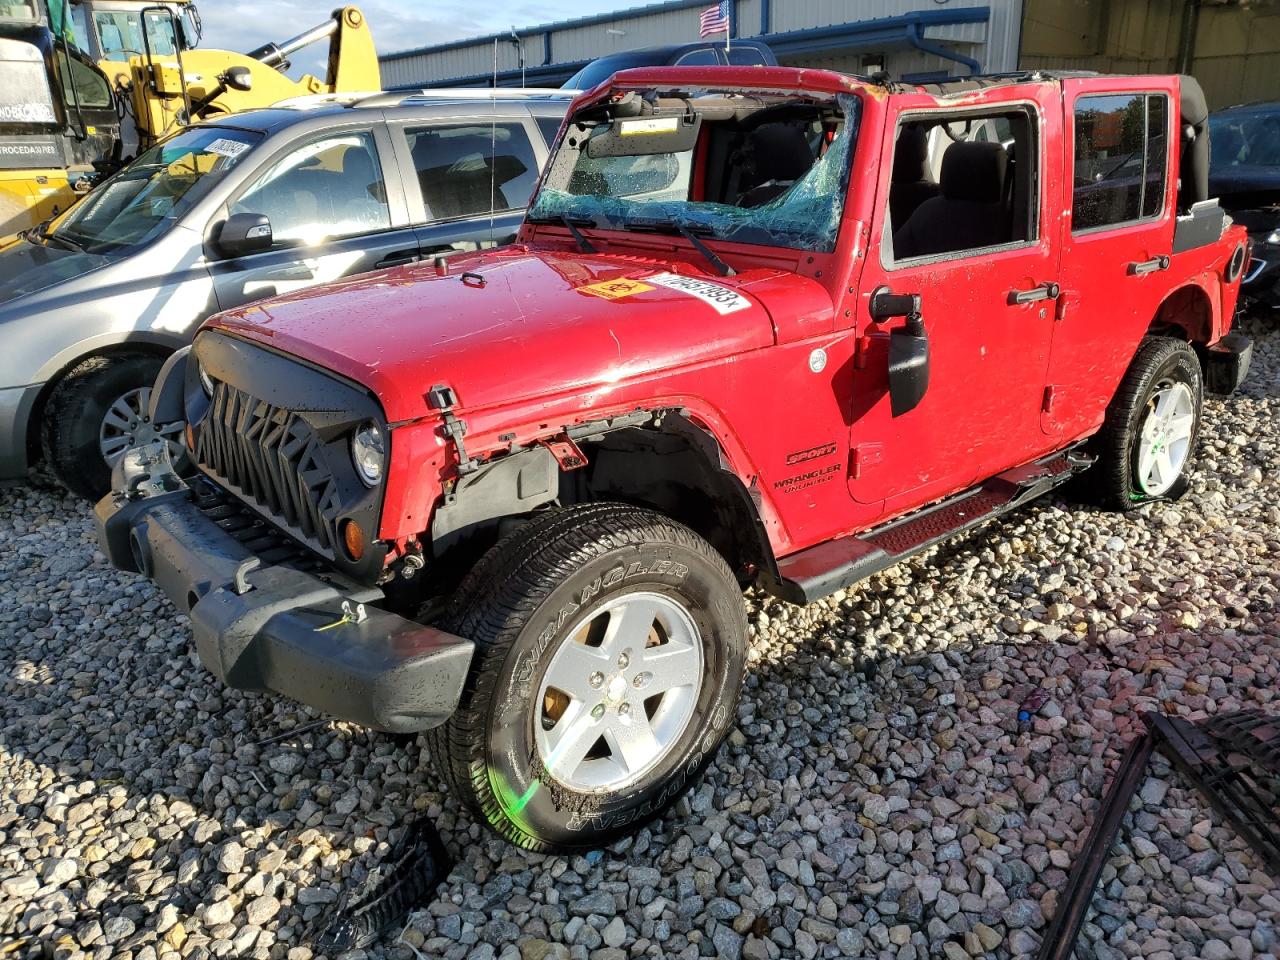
(823, 569)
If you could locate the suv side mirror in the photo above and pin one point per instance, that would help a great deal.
(908, 365)
(239, 78)
(244, 233)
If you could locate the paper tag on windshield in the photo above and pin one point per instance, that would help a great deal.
(637, 128)
(226, 148)
(721, 299)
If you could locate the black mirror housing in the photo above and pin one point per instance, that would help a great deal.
(239, 78)
(908, 366)
(243, 233)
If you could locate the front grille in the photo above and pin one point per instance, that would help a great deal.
(273, 459)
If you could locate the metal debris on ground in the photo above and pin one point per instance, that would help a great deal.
(416, 864)
(1233, 759)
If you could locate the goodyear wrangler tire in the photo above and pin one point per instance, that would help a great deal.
(610, 654)
(1147, 444)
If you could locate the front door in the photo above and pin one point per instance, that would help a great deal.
(1119, 237)
(335, 210)
(967, 222)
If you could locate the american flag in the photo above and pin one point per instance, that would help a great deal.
(715, 19)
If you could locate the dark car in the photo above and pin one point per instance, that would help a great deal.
(1244, 173)
(741, 53)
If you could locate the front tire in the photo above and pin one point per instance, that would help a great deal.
(610, 655)
(95, 413)
(1147, 443)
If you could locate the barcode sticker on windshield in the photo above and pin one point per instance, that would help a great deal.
(721, 299)
(639, 128)
(226, 148)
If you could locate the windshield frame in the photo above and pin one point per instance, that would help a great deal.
(771, 224)
(63, 228)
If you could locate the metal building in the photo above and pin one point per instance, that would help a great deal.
(1232, 46)
(924, 39)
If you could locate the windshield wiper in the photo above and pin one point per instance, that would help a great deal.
(722, 268)
(571, 224)
(65, 242)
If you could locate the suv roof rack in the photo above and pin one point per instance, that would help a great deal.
(395, 98)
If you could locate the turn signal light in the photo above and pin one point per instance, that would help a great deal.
(191, 439)
(353, 539)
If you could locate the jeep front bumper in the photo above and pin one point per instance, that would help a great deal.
(274, 628)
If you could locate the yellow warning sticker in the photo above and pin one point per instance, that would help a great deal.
(615, 289)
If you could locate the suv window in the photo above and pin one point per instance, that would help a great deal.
(1120, 151)
(698, 58)
(745, 57)
(470, 169)
(323, 190)
(963, 183)
(549, 126)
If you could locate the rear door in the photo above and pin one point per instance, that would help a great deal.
(1119, 234)
(981, 253)
(336, 206)
(468, 180)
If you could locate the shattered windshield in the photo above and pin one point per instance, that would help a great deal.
(757, 169)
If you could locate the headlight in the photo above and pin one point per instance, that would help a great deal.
(1273, 236)
(205, 380)
(369, 453)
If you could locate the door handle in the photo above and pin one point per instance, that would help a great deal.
(397, 259)
(1046, 291)
(1148, 266)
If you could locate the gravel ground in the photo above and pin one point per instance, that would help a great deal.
(877, 798)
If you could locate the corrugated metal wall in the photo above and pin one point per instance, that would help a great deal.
(1233, 48)
(994, 43)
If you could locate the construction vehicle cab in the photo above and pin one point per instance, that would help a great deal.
(57, 115)
(87, 85)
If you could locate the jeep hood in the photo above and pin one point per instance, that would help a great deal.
(512, 324)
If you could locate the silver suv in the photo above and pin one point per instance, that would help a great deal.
(236, 210)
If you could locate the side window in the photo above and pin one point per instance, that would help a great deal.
(324, 190)
(698, 58)
(85, 85)
(549, 126)
(466, 170)
(1121, 146)
(963, 183)
(745, 57)
(119, 34)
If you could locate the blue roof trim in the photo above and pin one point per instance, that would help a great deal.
(649, 8)
(901, 30)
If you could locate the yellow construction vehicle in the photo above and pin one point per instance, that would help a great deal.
(87, 84)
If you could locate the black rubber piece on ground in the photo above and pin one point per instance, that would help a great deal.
(517, 605)
(69, 434)
(412, 870)
(1111, 481)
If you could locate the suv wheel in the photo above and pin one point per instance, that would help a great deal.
(1147, 443)
(97, 412)
(610, 654)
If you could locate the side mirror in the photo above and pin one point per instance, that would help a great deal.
(239, 78)
(908, 365)
(244, 233)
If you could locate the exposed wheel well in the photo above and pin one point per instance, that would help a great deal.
(676, 469)
(662, 461)
(1186, 314)
(141, 347)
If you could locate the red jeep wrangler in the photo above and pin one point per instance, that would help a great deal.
(762, 326)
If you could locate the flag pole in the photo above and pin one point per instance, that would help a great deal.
(728, 25)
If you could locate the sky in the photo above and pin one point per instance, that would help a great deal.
(244, 25)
